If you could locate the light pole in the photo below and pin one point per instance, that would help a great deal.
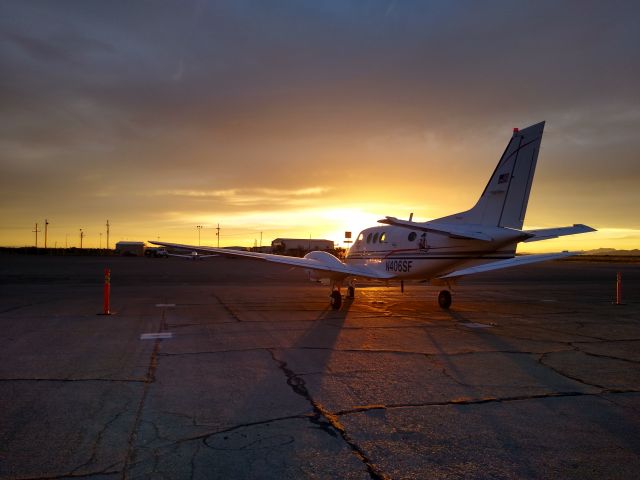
(81, 237)
(35, 230)
(46, 228)
(218, 234)
(199, 227)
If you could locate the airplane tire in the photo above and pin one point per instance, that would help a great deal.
(351, 291)
(444, 299)
(336, 300)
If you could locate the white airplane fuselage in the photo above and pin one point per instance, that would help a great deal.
(411, 254)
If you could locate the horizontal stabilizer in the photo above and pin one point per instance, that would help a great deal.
(547, 233)
(511, 262)
(453, 231)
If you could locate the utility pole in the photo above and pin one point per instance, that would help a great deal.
(107, 234)
(218, 234)
(81, 237)
(46, 228)
(35, 230)
(199, 227)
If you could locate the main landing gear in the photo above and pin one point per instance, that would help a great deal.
(444, 299)
(336, 297)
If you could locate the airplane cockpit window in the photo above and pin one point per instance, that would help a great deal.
(383, 235)
(412, 236)
(369, 238)
(360, 237)
(375, 237)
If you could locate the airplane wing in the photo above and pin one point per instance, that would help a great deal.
(191, 256)
(453, 231)
(319, 261)
(179, 255)
(547, 233)
(511, 262)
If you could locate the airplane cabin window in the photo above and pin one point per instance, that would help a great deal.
(412, 236)
(375, 237)
(382, 237)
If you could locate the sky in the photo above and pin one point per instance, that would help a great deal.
(310, 118)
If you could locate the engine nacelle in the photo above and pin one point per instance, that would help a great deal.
(328, 260)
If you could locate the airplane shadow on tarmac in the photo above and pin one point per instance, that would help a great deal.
(316, 345)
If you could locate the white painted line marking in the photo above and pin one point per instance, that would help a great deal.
(548, 300)
(165, 304)
(476, 325)
(153, 336)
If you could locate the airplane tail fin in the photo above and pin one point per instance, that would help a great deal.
(504, 200)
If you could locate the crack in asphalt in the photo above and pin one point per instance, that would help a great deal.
(72, 475)
(192, 462)
(114, 380)
(566, 375)
(205, 436)
(227, 308)
(610, 357)
(611, 341)
(98, 440)
(366, 408)
(18, 307)
(326, 420)
(357, 350)
(153, 365)
(214, 352)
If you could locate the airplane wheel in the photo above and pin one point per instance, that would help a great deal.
(336, 300)
(351, 292)
(444, 299)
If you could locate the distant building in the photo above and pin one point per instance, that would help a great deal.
(132, 249)
(300, 246)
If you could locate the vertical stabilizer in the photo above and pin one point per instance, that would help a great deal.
(504, 200)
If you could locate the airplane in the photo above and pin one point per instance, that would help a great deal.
(444, 250)
(194, 255)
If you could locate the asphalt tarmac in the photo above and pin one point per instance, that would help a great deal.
(533, 373)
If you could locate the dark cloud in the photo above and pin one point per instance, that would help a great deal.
(172, 95)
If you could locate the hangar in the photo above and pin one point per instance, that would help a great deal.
(133, 249)
(300, 246)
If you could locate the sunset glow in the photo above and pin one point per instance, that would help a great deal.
(310, 119)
